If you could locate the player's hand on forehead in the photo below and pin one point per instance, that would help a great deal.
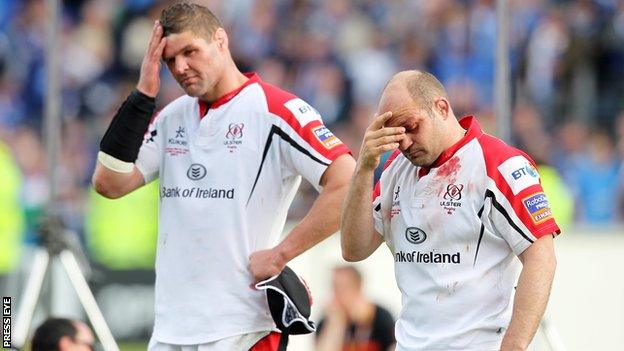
(149, 79)
(400, 118)
(386, 123)
(157, 35)
(380, 120)
(378, 140)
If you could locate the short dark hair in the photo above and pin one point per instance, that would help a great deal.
(186, 16)
(49, 334)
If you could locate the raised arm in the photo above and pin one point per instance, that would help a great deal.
(359, 239)
(538, 270)
(115, 174)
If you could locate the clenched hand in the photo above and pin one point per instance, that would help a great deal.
(264, 264)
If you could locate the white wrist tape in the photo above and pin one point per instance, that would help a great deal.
(114, 164)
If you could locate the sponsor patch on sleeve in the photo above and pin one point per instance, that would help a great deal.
(302, 111)
(538, 207)
(519, 173)
(326, 137)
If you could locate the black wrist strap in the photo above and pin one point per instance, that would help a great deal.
(124, 136)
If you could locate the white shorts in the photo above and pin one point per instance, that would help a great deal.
(236, 342)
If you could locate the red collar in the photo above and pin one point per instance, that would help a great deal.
(203, 106)
(473, 130)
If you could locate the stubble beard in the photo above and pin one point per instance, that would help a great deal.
(423, 160)
(194, 90)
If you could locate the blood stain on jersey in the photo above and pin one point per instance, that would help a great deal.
(449, 168)
(326, 137)
(538, 207)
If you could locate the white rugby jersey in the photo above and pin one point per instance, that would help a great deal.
(454, 229)
(228, 174)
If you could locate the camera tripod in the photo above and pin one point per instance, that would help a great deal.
(55, 245)
(53, 234)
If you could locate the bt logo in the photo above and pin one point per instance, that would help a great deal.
(305, 108)
(526, 170)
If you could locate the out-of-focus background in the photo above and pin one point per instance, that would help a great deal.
(567, 72)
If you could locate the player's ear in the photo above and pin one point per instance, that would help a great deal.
(221, 38)
(442, 106)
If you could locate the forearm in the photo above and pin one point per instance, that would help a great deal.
(124, 135)
(358, 236)
(112, 185)
(320, 222)
(530, 302)
(115, 173)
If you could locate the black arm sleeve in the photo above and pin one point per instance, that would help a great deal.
(124, 136)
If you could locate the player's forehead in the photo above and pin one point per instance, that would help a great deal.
(397, 100)
(177, 42)
(402, 115)
(399, 119)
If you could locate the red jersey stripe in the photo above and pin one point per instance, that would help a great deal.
(495, 153)
(276, 98)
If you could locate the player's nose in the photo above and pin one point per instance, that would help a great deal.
(180, 65)
(405, 143)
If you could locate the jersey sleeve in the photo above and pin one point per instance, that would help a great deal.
(520, 210)
(379, 192)
(307, 146)
(148, 160)
(315, 150)
(377, 215)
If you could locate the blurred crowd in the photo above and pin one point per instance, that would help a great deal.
(567, 67)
